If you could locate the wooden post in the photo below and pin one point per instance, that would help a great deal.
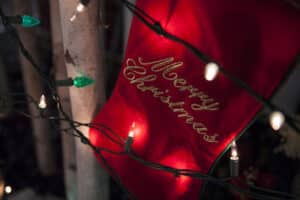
(33, 86)
(81, 39)
(68, 141)
(127, 23)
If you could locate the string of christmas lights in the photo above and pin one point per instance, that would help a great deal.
(212, 68)
(23, 20)
(81, 7)
(176, 172)
(126, 143)
(82, 4)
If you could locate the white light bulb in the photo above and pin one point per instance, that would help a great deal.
(73, 17)
(131, 135)
(276, 120)
(42, 103)
(211, 71)
(8, 189)
(80, 7)
(131, 132)
(234, 160)
(234, 152)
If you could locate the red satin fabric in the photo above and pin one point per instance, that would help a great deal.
(255, 40)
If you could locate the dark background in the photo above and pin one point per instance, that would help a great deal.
(18, 164)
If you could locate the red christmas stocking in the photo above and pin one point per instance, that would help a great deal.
(180, 119)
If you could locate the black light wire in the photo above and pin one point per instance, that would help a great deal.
(56, 98)
(155, 26)
(74, 125)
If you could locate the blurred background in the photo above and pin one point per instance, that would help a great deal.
(34, 167)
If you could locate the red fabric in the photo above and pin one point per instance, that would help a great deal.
(255, 40)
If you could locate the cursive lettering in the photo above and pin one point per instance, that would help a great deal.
(137, 74)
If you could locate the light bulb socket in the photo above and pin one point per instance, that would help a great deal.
(85, 2)
(64, 83)
(128, 144)
(234, 166)
(14, 19)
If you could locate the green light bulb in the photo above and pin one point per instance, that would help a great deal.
(82, 81)
(28, 21)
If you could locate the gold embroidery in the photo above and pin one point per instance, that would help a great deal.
(137, 74)
(156, 63)
(141, 80)
(165, 99)
(200, 128)
(132, 69)
(167, 67)
(211, 139)
(203, 106)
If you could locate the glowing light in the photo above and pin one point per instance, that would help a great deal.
(234, 152)
(43, 103)
(276, 120)
(132, 131)
(80, 7)
(8, 189)
(211, 71)
(131, 134)
(130, 138)
(180, 158)
(73, 17)
(234, 161)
